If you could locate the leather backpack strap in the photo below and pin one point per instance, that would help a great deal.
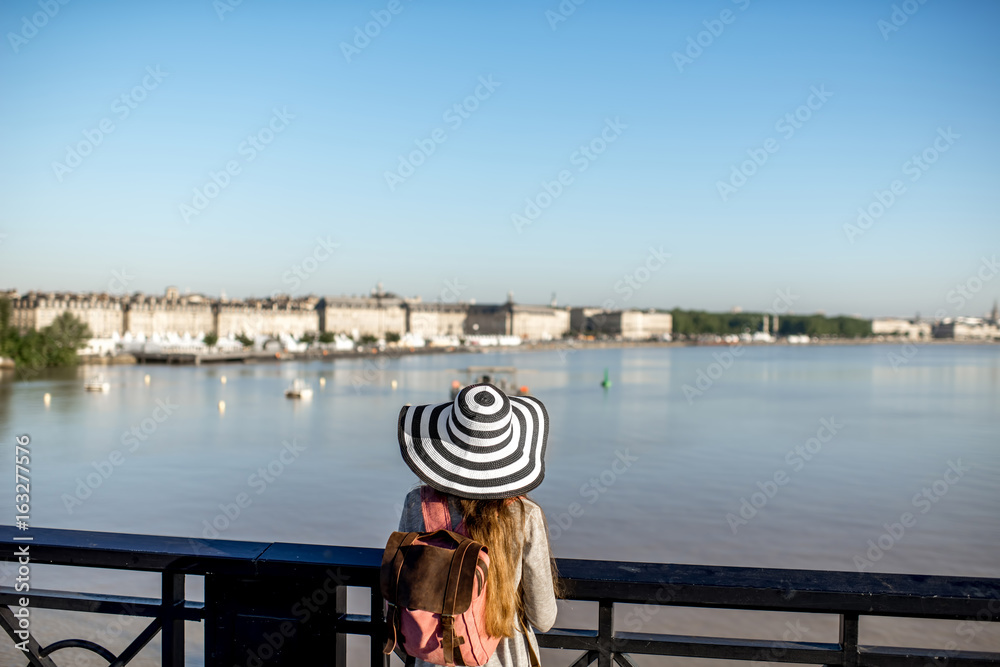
(434, 506)
(389, 556)
(392, 630)
(532, 656)
(389, 575)
(449, 643)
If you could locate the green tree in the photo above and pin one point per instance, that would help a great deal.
(307, 338)
(245, 339)
(9, 339)
(392, 337)
(211, 338)
(63, 338)
(55, 345)
(695, 322)
(327, 337)
(368, 339)
(5, 314)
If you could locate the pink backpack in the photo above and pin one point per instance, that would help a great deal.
(435, 584)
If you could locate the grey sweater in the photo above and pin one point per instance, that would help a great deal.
(534, 570)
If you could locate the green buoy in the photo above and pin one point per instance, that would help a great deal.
(606, 383)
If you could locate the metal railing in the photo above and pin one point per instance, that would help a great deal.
(278, 604)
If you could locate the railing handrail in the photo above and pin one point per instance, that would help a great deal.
(816, 591)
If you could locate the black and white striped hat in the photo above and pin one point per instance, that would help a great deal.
(482, 445)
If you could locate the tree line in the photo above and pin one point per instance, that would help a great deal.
(695, 322)
(54, 345)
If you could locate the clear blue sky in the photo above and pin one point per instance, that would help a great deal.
(655, 185)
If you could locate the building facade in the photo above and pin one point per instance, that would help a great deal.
(629, 324)
(378, 315)
(375, 315)
(149, 315)
(34, 311)
(967, 328)
(512, 319)
(428, 320)
(896, 326)
(643, 325)
(267, 317)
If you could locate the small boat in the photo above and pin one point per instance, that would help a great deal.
(503, 377)
(97, 383)
(299, 389)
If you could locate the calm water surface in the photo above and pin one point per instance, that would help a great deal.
(787, 457)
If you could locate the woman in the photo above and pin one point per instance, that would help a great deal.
(483, 452)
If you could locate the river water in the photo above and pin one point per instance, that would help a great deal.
(783, 456)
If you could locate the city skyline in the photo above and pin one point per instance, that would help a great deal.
(783, 304)
(562, 152)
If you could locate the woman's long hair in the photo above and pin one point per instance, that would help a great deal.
(499, 525)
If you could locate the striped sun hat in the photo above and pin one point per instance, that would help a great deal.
(482, 445)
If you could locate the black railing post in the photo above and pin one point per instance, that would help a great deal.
(172, 630)
(849, 640)
(339, 602)
(605, 632)
(378, 659)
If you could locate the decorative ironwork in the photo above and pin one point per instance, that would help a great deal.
(280, 604)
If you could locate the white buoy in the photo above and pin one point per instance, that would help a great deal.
(394, 385)
(322, 382)
(222, 407)
(48, 399)
(223, 379)
(146, 379)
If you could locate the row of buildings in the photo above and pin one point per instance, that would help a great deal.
(378, 315)
(957, 328)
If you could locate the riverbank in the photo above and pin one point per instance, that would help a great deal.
(568, 345)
